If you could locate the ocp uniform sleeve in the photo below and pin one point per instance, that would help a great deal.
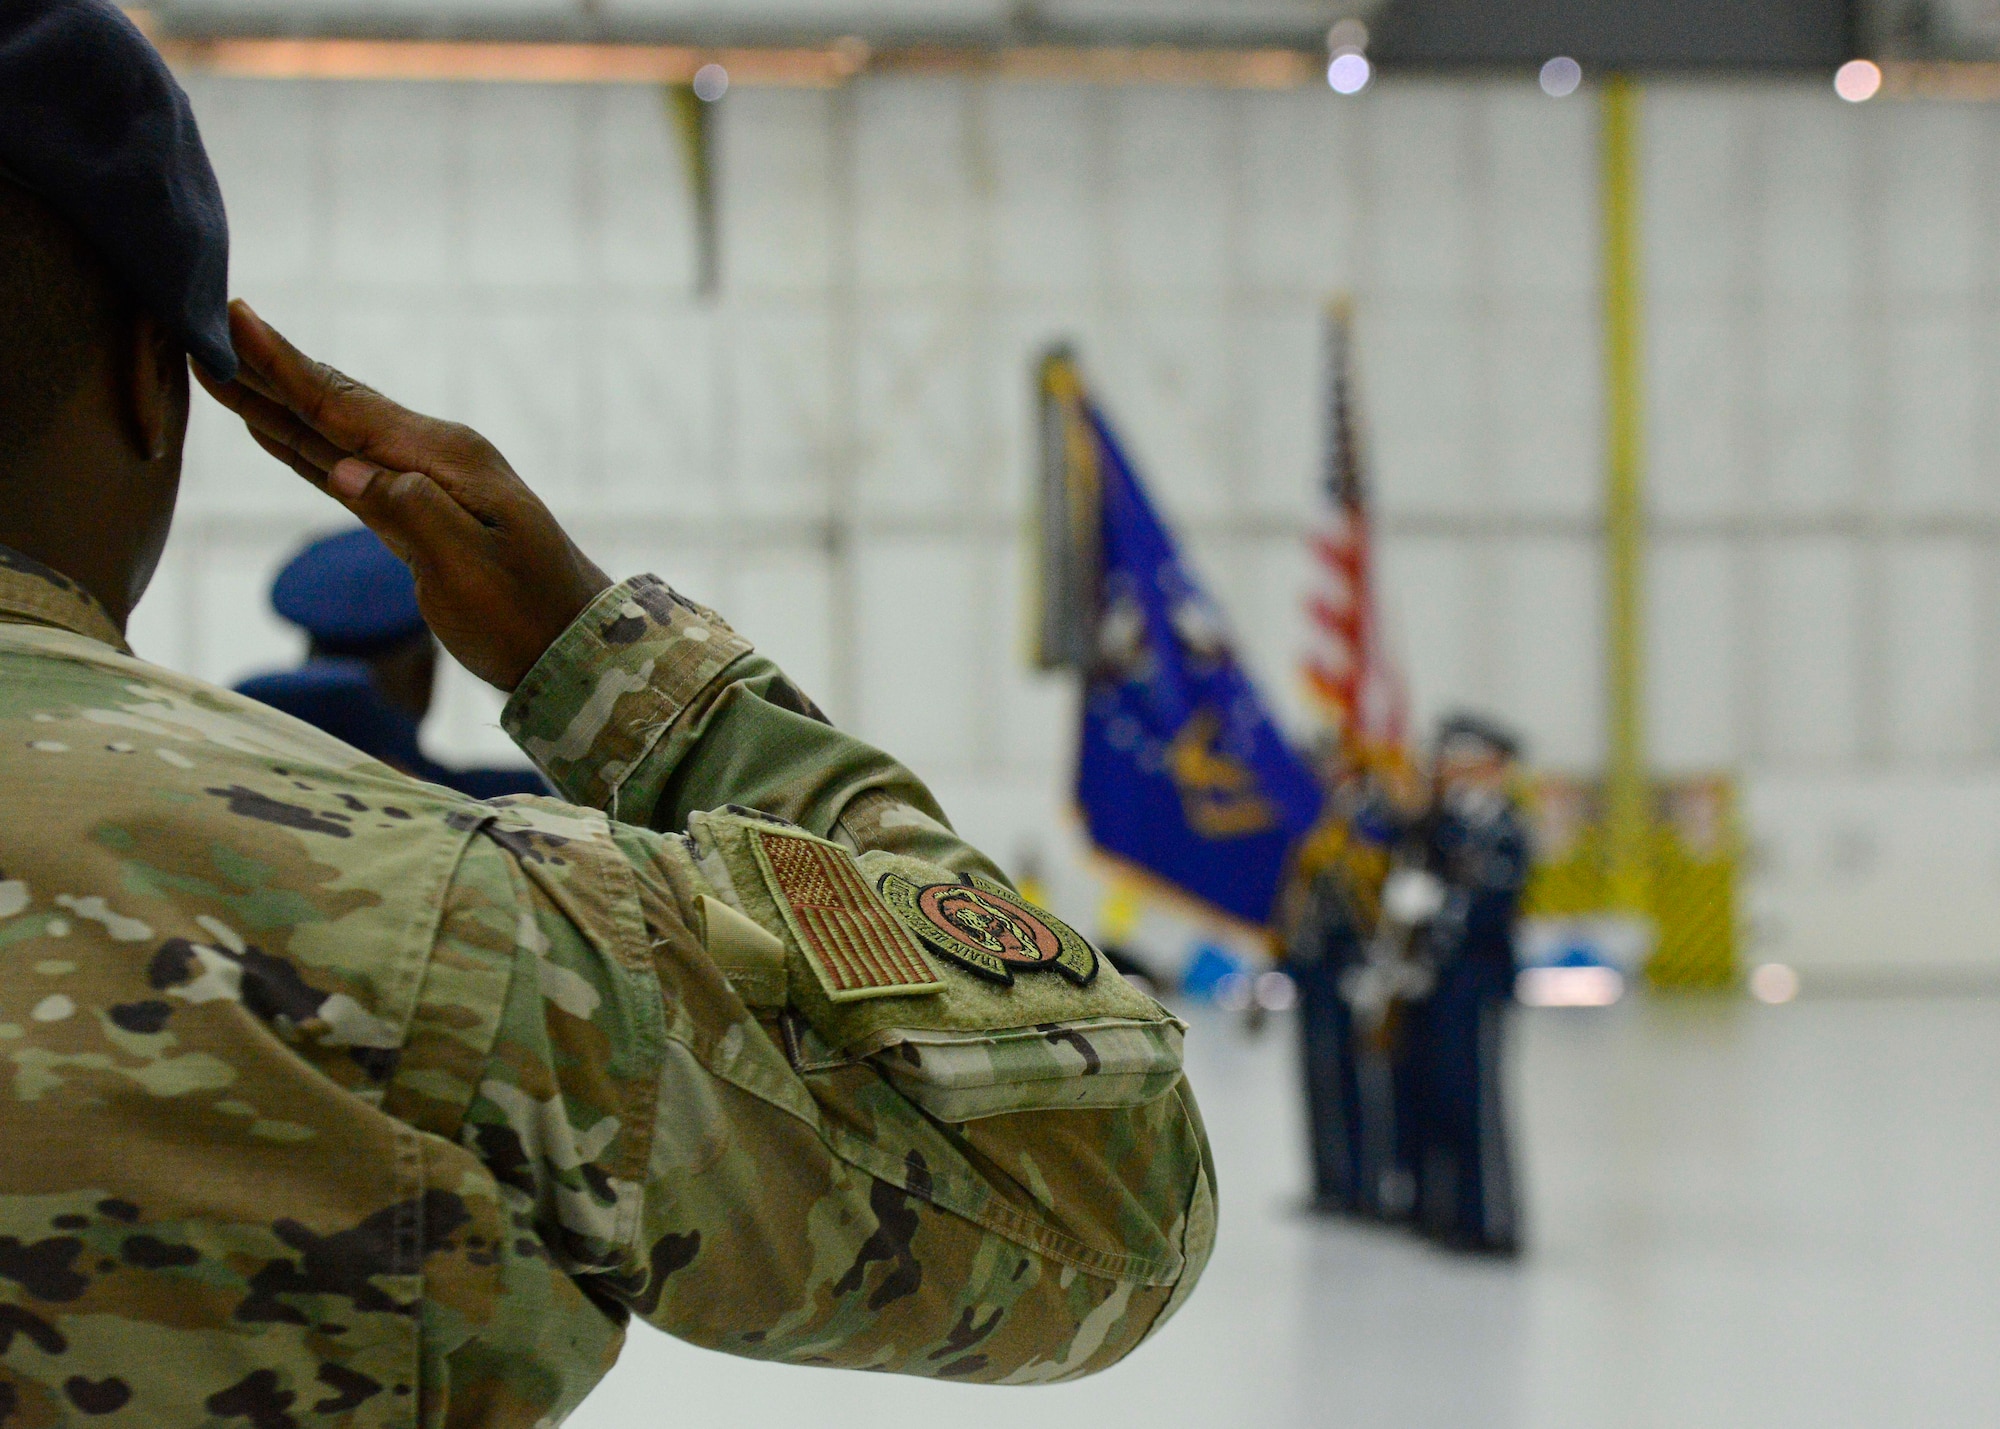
(814, 1216)
(651, 1144)
(651, 708)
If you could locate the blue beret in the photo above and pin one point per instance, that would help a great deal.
(349, 592)
(94, 125)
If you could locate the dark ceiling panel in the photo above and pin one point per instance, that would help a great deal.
(1635, 35)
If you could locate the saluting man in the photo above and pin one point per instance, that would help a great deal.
(336, 1098)
(371, 664)
(1456, 1137)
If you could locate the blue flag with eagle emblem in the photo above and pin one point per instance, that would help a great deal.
(1181, 771)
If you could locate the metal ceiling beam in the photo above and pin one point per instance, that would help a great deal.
(1974, 81)
(1301, 25)
(544, 62)
(498, 61)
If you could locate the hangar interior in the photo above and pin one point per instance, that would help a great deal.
(836, 447)
(833, 443)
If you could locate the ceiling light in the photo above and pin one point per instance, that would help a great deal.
(1857, 80)
(1561, 76)
(710, 83)
(1349, 73)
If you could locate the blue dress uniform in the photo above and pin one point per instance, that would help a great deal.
(358, 604)
(1456, 1136)
(1350, 1108)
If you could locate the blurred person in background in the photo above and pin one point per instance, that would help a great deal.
(371, 663)
(1331, 916)
(1475, 842)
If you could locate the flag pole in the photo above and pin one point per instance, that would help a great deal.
(1628, 815)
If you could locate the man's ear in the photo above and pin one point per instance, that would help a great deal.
(156, 386)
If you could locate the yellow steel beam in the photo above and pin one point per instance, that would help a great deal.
(693, 119)
(1628, 814)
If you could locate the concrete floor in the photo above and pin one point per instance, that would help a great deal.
(1740, 1216)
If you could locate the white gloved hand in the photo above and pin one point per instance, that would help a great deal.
(1411, 896)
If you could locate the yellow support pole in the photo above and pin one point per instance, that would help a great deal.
(1628, 812)
(691, 116)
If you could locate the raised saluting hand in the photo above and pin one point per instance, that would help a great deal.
(497, 578)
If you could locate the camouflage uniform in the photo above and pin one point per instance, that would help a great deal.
(340, 1099)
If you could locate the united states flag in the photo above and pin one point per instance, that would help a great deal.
(1347, 668)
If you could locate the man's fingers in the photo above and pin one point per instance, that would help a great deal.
(418, 518)
(289, 457)
(223, 392)
(412, 514)
(253, 382)
(496, 576)
(276, 429)
(348, 414)
(229, 394)
(267, 418)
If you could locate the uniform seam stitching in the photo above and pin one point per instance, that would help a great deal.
(434, 923)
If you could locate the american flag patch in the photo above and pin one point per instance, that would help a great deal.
(849, 936)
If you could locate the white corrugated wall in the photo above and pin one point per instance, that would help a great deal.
(836, 450)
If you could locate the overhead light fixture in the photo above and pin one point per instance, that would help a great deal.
(1349, 73)
(710, 83)
(561, 62)
(1857, 81)
(503, 62)
(1561, 76)
(1347, 67)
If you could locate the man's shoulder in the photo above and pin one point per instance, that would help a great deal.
(56, 676)
(190, 851)
(106, 755)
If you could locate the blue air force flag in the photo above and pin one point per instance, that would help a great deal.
(1181, 771)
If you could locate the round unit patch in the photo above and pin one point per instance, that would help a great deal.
(987, 929)
(1008, 931)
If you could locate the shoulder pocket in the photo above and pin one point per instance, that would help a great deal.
(970, 1000)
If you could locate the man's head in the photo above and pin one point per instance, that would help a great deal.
(113, 267)
(58, 310)
(93, 410)
(1474, 753)
(356, 600)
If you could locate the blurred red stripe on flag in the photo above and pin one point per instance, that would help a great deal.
(1346, 669)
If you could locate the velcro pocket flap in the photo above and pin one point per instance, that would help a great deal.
(1088, 1062)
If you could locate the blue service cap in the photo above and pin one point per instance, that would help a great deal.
(349, 592)
(94, 125)
(1489, 734)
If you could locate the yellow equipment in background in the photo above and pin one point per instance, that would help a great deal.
(1693, 867)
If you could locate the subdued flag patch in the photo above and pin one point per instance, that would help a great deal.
(854, 944)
